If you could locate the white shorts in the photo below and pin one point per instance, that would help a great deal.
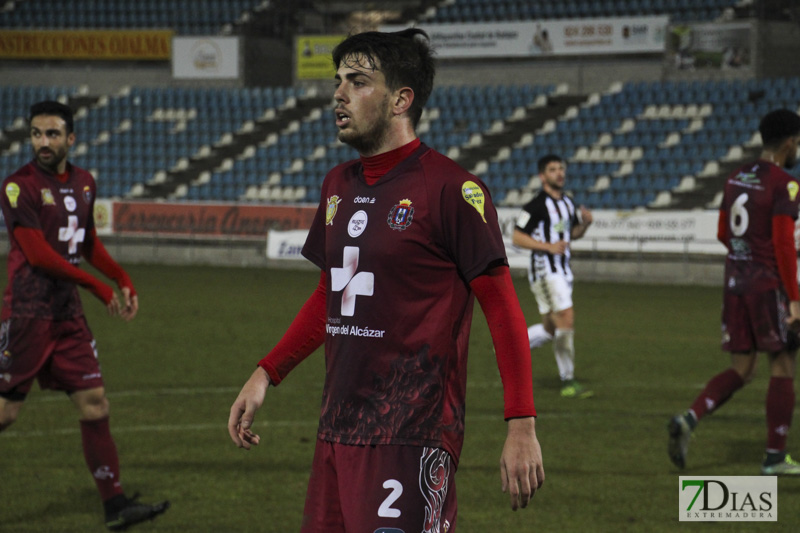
(553, 293)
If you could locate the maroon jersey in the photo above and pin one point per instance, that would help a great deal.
(399, 256)
(754, 194)
(34, 198)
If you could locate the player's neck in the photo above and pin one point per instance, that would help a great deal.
(775, 157)
(379, 165)
(555, 193)
(61, 173)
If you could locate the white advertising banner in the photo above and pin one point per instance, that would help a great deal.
(693, 232)
(679, 232)
(286, 244)
(547, 37)
(205, 57)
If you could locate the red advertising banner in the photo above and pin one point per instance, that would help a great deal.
(213, 220)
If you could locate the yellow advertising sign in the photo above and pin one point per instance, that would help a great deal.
(313, 56)
(116, 45)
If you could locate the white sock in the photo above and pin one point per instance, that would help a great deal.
(564, 349)
(537, 336)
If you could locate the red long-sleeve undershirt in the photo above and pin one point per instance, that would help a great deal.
(375, 167)
(494, 291)
(41, 255)
(95, 252)
(306, 333)
(783, 244)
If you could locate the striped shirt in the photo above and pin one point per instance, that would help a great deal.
(550, 220)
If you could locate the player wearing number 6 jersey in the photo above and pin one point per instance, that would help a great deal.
(761, 302)
(48, 208)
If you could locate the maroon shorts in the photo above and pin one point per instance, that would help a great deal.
(380, 489)
(756, 322)
(60, 355)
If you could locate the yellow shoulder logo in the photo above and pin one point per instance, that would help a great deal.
(793, 189)
(474, 196)
(12, 191)
(333, 207)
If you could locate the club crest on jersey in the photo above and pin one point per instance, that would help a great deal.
(87, 194)
(401, 215)
(47, 197)
(333, 207)
(12, 191)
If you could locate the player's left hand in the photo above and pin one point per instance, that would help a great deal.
(521, 468)
(586, 216)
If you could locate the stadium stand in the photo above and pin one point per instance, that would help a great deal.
(635, 145)
(638, 144)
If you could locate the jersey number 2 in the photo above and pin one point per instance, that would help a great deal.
(386, 510)
(740, 219)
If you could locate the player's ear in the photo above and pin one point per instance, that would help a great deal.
(403, 98)
(71, 139)
(789, 145)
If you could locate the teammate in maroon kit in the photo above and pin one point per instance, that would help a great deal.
(48, 207)
(761, 305)
(405, 239)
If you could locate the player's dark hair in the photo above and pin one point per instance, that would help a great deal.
(404, 57)
(50, 107)
(546, 160)
(777, 126)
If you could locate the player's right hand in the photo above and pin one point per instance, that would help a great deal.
(558, 248)
(244, 409)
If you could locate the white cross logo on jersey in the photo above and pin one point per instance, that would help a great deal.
(72, 234)
(346, 279)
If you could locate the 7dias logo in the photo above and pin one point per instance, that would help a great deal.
(728, 499)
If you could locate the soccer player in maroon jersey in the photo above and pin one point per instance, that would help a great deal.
(405, 240)
(761, 303)
(48, 207)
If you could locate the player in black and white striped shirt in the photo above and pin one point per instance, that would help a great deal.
(546, 226)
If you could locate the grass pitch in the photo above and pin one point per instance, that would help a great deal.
(173, 372)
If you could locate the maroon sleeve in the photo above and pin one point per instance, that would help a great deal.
(470, 226)
(495, 293)
(314, 247)
(786, 254)
(305, 334)
(786, 196)
(20, 204)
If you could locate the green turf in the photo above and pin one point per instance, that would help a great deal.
(173, 372)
